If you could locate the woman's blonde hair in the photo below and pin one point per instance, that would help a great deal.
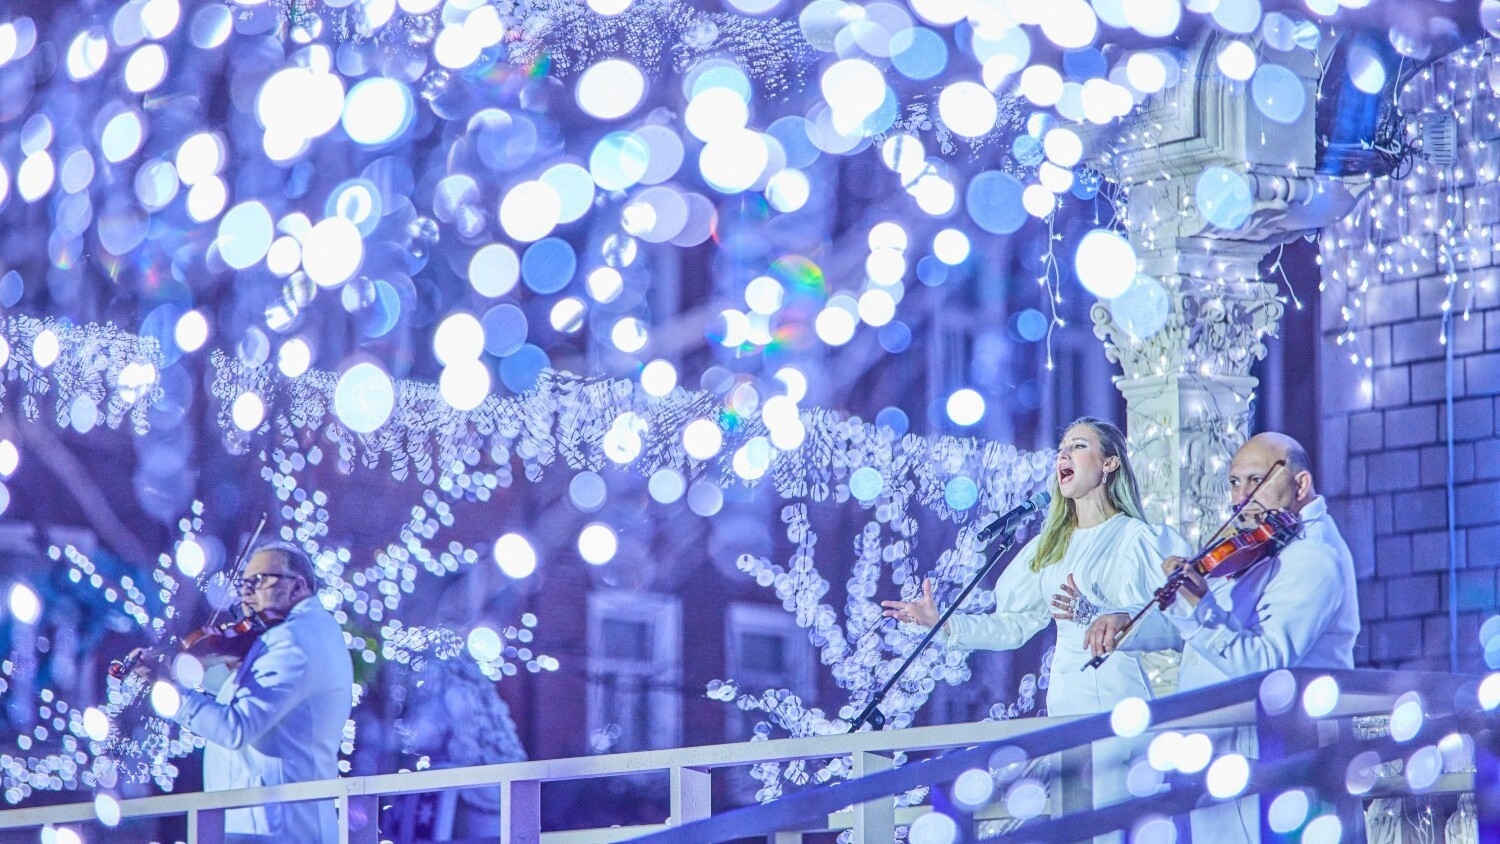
(1062, 518)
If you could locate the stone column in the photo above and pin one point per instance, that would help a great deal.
(1188, 386)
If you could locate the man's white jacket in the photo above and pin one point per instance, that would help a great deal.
(279, 720)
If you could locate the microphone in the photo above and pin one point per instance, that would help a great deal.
(1009, 523)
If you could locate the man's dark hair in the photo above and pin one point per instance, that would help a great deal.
(295, 559)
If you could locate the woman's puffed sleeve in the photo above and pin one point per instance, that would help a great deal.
(1020, 611)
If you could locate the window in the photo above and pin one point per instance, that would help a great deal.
(635, 671)
(766, 650)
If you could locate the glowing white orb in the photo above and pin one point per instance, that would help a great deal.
(1038, 201)
(763, 295)
(629, 335)
(973, 788)
(95, 724)
(1155, 18)
(88, 53)
(25, 605)
(1146, 73)
(294, 358)
(191, 331)
(456, 47)
(1489, 691)
(1236, 60)
(515, 556)
(464, 384)
(854, 88)
(715, 111)
(165, 699)
(45, 348)
(190, 557)
(332, 252)
(658, 378)
(1105, 263)
(206, 199)
(702, 439)
(965, 407)
(597, 543)
(968, 108)
(377, 111)
(1320, 697)
(1194, 753)
(734, 161)
(1288, 811)
(610, 89)
(788, 190)
(885, 267)
(876, 307)
(530, 211)
(199, 157)
(752, 459)
(460, 337)
(835, 325)
(951, 246)
(485, 644)
(248, 411)
(1063, 146)
(1130, 717)
(1069, 24)
(1228, 776)
(933, 828)
(795, 382)
(1042, 85)
(34, 178)
(567, 314)
(107, 810)
(364, 398)
(146, 68)
(10, 458)
(245, 234)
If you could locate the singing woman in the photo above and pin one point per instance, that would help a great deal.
(1095, 552)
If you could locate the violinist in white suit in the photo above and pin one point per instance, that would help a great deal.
(281, 718)
(1299, 609)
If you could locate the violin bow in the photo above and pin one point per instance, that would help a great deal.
(1166, 594)
(240, 562)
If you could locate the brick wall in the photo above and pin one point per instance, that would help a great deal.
(1383, 459)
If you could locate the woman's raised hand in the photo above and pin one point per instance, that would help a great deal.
(923, 611)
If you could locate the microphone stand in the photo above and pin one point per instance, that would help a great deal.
(872, 713)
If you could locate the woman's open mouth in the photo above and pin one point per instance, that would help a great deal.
(1063, 475)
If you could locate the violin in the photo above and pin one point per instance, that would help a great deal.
(226, 641)
(230, 641)
(1229, 557)
(1235, 555)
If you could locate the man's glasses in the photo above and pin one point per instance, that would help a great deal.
(255, 582)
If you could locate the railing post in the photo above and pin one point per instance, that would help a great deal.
(359, 819)
(692, 795)
(205, 826)
(521, 812)
(874, 821)
(1275, 738)
(1075, 780)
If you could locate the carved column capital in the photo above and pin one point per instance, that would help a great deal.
(1212, 328)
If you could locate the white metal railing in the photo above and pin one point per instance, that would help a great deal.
(689, 770)
(690, 773)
